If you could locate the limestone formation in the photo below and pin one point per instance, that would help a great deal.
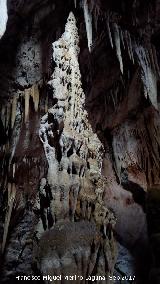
(79, 141)
(74, 155)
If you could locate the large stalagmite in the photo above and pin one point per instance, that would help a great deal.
(74, 155)
(65, 131)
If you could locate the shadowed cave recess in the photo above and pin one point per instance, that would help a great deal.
(80, 141)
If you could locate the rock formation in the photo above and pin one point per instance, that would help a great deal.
(79, 141)
(74, 186)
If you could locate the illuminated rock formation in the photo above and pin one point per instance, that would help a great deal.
(74, 154)
(79, 138)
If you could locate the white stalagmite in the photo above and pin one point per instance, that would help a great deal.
(70, 105)
(67, 123)
(118, 46)
(148, 77)
(74, 153)
(3, 16)
(88, 23)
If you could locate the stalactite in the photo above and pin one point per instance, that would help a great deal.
(155, 60)
(129, 46)
(126, 41)
(118, 45)
(75, 3)
(46, 105)
(14, 169)
(27, 98)
(11, 199)
(96, 19)
(113, 99)
(14, 110)
(35, 95)
(96, 12)
(3, 116)
(122, 37)
(8, 116)
(109, 33)
(88, 23)
(151, 56)
(3, 16)
(148, 77)
(15, 134)
(143, 154)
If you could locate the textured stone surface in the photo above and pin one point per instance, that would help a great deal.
(79, 135)
(71, 249)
